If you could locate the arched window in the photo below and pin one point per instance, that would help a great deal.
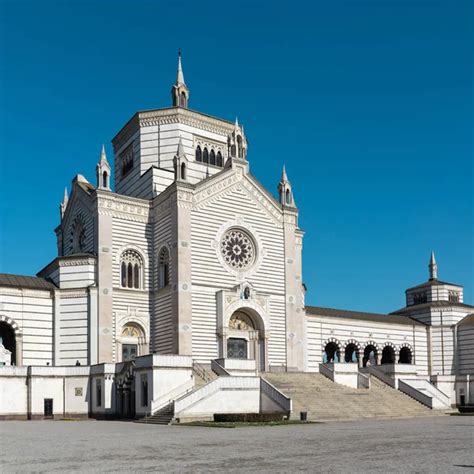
(163, 268)
(183, 171)
(219, 159)
(205, 156)
(78, 235)
(131, 269)
(288, 196)
(104, 180)
(198, 153)
(405, 355)
(182, 99)
(212, 158)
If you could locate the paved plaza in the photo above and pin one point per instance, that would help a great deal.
(438, 444)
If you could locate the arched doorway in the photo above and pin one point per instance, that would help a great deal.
(405, 356)
(388, 355)
(370, 355)
(331, 353)
(351, 353)
(245, 338)
(132, 341)
(8, 341)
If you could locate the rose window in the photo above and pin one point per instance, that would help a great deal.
(238, 249)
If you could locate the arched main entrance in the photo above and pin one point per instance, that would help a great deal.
(132, 341)
(8, 341)
(246, 338)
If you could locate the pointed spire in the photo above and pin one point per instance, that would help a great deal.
(65, 197)
(433, 267)
(180, 75)
(103, 171)
(284, 177)
(179, 91)
(63, 205)
(103, 156)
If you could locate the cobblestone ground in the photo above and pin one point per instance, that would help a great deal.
(440, 444)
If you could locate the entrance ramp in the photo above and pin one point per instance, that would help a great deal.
(323, 399)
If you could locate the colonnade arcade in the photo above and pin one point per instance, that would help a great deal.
(370, 353)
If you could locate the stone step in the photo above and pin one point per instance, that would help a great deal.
(323, 399)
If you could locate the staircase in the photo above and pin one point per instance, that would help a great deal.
(202, 375)
(323, 399)
(161, 417)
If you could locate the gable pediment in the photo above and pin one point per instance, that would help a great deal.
(237, 181)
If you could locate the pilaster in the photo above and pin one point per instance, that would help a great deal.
(92, 326)
(181, 270)
(293, 291)
(104, 327)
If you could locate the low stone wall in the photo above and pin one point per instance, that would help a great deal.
(25, 392)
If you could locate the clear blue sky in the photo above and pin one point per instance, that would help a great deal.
(369, 104)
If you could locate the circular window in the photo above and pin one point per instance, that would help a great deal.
(238, 249)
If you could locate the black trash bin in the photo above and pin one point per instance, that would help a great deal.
(303, 416)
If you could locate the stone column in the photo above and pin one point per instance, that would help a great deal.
(379, 357)
(360, 359)
(253, 336)
(224, 344)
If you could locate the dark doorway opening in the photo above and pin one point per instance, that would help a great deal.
(48, 408)
(7, 339)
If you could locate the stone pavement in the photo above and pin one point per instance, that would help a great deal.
(439, 444)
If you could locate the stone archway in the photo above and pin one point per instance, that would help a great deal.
(371, 355)
(388, 355)
(11, 339)
(245, 337)
(332, 352)
(131, 342)
(405, 355)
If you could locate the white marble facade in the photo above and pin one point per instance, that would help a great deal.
(191, 256)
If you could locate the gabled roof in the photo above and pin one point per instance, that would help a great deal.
(358, 315)
(432, 304)
(20, 281)
(467, 320)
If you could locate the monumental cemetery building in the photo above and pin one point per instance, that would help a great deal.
(178, 292)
